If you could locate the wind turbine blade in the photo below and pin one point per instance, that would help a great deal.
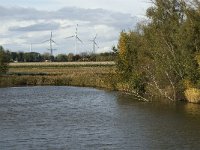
(79, 39)
(45, 41)
(69, 37)
(96, 44)
(76, 32)
(51, 34)
(95, 37)
(54, 42)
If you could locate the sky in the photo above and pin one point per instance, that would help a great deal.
(31, 21)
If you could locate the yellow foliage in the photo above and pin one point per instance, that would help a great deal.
(122, 45)
(193, 95)
(188, 84)
(197, 57)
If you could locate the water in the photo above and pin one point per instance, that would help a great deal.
(84, 118)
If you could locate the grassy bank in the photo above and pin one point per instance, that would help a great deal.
(90, 74)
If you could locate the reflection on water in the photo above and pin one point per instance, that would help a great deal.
(192, 109)
(86, 118)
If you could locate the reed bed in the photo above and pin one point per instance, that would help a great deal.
(61, 64)
(90, 74)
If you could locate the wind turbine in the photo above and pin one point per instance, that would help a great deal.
(94, 43)
(31, 47)
(51, 41)
(76, 38)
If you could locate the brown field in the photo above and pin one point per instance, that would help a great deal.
(91, 74)
(110, 63)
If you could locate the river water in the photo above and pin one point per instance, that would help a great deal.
(53, 118)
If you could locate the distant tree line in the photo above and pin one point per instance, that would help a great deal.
(160, 58)
(7, 56)
(37, 57)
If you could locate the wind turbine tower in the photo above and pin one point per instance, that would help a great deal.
(76, 38)
(31, 47)
(51, 41)
(94, 44)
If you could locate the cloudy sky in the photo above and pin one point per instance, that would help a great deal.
(31, 21)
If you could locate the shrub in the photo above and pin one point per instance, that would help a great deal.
(193, 95)
(3, 61)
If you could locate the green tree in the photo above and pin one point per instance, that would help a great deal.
(161, 54)
(70, 57)
(173, 61)
(3, 61)
(129, 60)
(61, 58)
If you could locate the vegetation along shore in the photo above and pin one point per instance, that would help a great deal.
(158, 60)
(75, 74)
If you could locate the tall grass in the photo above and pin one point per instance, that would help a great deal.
(61, 64)
(90, 74)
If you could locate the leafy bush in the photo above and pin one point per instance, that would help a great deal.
(3, 61)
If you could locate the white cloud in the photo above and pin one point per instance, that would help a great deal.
(105, 32)
(22, 26)
(134, 7)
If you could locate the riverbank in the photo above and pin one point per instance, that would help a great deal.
(85, 74)
(81, 74)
